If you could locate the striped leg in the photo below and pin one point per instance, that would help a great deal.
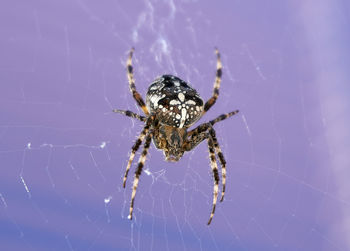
(134, 149)
(212, 100)
(139, 171)
(221, 159)
(214, 168)
(130, 114)
(205, 126)
(218, 149)
(223, 117)
(195, 139)
(132, 86)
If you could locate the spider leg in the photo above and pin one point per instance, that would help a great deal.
(221, 160)
(200, 133)
(223, 117)
(132, 86)
(205, 126)
(214, 168)
(134, 149)
(139, 171)
(194, 140)
(217, 82)
(130, 114)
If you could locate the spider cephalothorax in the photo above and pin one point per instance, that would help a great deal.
(170, 140)
(171, 107)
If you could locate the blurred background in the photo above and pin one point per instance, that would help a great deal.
(63, 152)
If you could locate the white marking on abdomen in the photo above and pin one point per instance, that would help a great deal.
(181, 96)
(190, 102)
(174, 102)
(183, 117)
(155, 98)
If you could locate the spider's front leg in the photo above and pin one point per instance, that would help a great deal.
(136, 146)
(195, 138)
(139, 171)
(206, 131)
(134, 149)
(209, 126)
(214, 168)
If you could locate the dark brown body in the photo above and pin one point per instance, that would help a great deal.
(171, 140)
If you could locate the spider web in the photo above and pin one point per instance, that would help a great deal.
(63, 152)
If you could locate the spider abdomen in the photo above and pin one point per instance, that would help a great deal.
(174, 102)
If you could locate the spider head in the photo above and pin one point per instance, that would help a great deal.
(173, 156)
(171, 140)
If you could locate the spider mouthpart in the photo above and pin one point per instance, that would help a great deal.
(172, 158)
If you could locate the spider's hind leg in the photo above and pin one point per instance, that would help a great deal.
(217, 82)
(132, 86)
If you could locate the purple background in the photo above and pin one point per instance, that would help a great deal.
(63, 153)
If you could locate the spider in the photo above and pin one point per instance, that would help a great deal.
(171, 107)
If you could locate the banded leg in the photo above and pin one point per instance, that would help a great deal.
(205, 126)
(130, 114)
(139, 171)
(223, 117)
(132, 86)
(212, 100)
(195, 139)
(218, 149)
(221, 160)
(214, 168)
(134, 149)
